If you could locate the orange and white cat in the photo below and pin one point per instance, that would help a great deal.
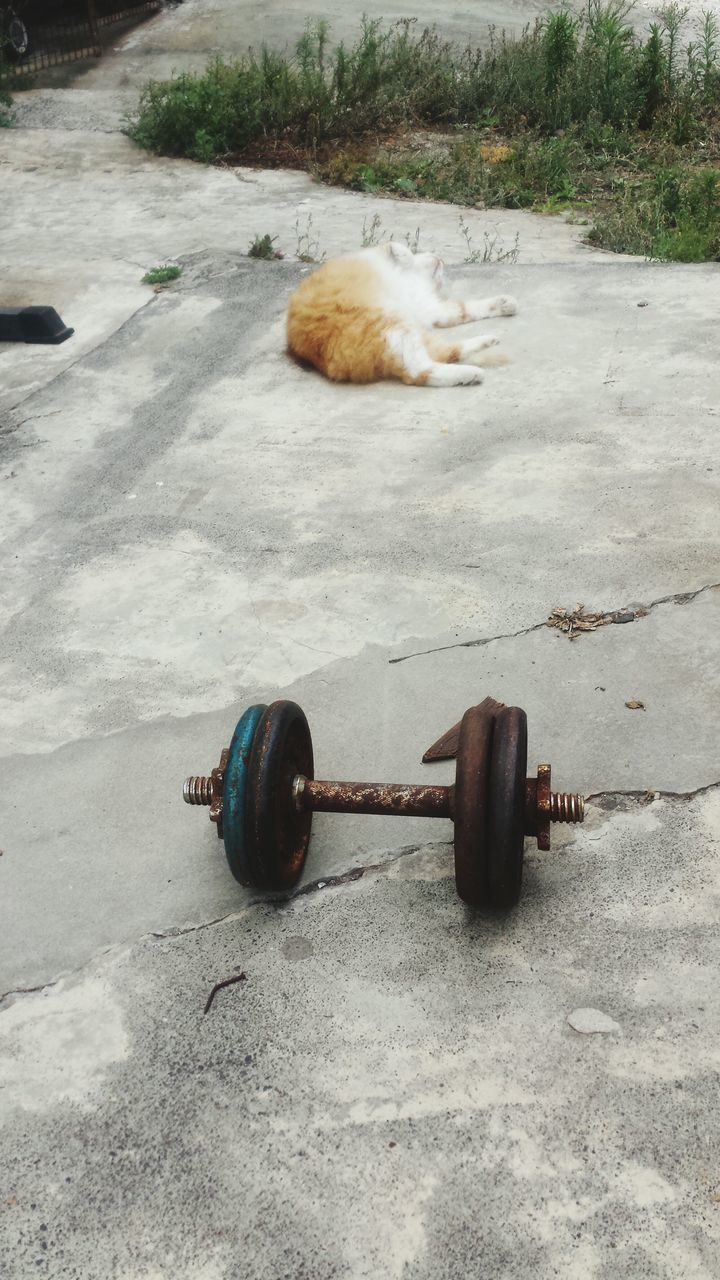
(370, 315)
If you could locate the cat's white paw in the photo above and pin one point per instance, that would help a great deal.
(470, 379)
(471, 349)
(503, 306)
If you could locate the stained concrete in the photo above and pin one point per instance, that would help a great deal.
(191, 522)
(149, 600)
(394, 1089)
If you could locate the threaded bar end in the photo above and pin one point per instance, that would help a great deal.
(565, 807)
(198, 791)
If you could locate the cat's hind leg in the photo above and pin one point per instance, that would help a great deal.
(416, 362)
(459, 351)
(472, 351)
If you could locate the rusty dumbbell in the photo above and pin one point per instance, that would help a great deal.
(263, 794)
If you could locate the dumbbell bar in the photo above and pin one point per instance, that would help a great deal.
(263, 794)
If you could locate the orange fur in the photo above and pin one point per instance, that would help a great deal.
(447, 352)
(335, 323)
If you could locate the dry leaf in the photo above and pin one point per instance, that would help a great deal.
(634, 705)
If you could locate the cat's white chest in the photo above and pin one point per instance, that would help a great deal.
(409, 295)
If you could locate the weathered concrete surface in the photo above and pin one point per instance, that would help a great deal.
(95, 297)
(178, 545)
(265, 521)
(394, 1090)
(190, 523)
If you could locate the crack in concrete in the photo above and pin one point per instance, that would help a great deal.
(468, 644)
(33, 417)
(161, 935)
(314, 886)
(29, 991)
(651, 794)
(646, 797)
(641, 610)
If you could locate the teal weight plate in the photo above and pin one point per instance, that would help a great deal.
(235, 794)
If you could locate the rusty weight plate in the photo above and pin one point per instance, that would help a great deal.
(446, 747)
(276, 834)
(506, 808)
(472, 781)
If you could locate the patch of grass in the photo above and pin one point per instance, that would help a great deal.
(673, 216)
(264, 247)
(161, 275)
(577, 112)
(533, 170)
(658, 202)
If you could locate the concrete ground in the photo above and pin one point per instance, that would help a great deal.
(398, 1087)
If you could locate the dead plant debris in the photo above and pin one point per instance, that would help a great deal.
(572, 622)
(635, 705)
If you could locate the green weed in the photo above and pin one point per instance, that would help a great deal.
(371, 231)
(563, 71)
(492, 250)
(264, 247)
(307, 248)
(162, 275)
(577, 109)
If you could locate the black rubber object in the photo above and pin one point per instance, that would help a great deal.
(33, 324)
(506, 809)
(472, 782)
(276, 835)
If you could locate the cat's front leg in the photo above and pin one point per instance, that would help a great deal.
(451, 313)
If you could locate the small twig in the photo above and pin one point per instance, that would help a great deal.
(226, 982)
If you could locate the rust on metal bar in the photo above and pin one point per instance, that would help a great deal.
(373, 797)
(537, 807)
(543, 806)
(446, 747)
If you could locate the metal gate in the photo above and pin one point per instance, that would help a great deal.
(59, 33)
